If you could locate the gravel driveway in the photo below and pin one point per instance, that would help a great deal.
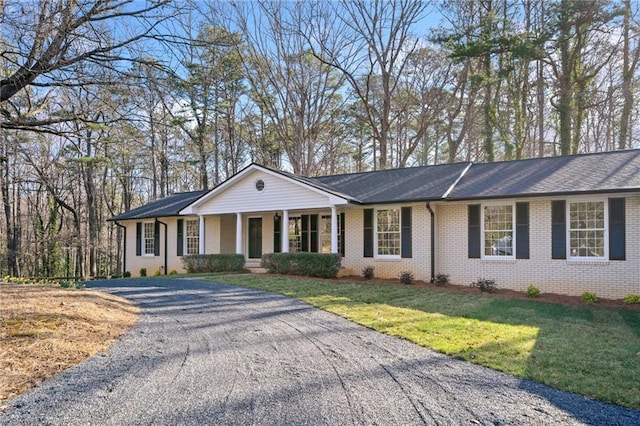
(207, 353)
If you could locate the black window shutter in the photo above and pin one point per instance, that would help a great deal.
(617, 229)
(405, 233)
(558, 229)
(138, 239)
(277, 240)
(180, 237)
(313, 232)
(368, 233)
(305, 232)
(156, 239)
(474, 231)
(522, 231)
(342, 236)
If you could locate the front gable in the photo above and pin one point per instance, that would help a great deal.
(257, 189)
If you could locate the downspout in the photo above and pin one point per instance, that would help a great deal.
(433, 243)
(165, 245)
(124, 247)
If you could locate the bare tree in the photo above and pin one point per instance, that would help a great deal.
(299, 95)
(375, 42)
(43, 41)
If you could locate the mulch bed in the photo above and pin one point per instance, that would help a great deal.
(503, 293)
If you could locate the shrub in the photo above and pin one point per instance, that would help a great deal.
(441, 279)
(199, 263)
(127, 274)
(533, 291)
(158, 272)
(485, 285)
(66, 284)
(143, 272)
(367, 272)
(589, 297)
(632, 299)
(173, 272)
(406, 277)
(323, 265)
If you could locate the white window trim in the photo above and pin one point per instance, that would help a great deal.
(375, 232)
(513, 230)
(144, 239)
(568, 203)
(186, 240)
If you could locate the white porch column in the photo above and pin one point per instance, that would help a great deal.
(285, 231)
(201, 235)
(238, 233)
(334, 230)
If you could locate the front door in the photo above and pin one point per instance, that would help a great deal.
(255, 237)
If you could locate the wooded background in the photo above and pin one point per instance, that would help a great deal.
(106, 105)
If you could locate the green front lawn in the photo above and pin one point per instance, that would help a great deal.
(589, 350)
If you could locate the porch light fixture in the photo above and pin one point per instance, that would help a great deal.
(276, 216)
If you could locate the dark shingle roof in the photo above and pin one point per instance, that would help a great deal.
(396, 185)
(168, 206)
(613, 171)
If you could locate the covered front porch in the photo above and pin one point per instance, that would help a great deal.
(253, 234)
(262, 211)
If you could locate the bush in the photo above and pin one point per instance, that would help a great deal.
(632, 299)
(589, 297)
(441, 279)
(322, 265)
(127, 274)
(485, 285)
(533, 291)
(199, 263)
(158, 272)
(367, 272)
(173, 272)
(406, 277)
(143, 272)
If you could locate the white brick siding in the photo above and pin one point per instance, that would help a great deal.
(418, 264)
(609, 279)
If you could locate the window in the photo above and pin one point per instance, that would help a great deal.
(497, 230)
(587, 229)
(295, 234)
(325, 234)
(192, 236)
(388, 232)
(148, 239)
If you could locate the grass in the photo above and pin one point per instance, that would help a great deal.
(593, 351)
(45, 329)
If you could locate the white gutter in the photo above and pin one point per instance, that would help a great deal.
(446, 194)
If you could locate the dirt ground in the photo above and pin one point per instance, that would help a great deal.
(45, 329)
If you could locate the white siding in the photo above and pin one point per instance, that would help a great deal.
(279, 194)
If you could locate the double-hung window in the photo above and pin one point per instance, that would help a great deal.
(498, 230)
(148, 239)
(388, 232)
(192, 236)
(587, 233)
